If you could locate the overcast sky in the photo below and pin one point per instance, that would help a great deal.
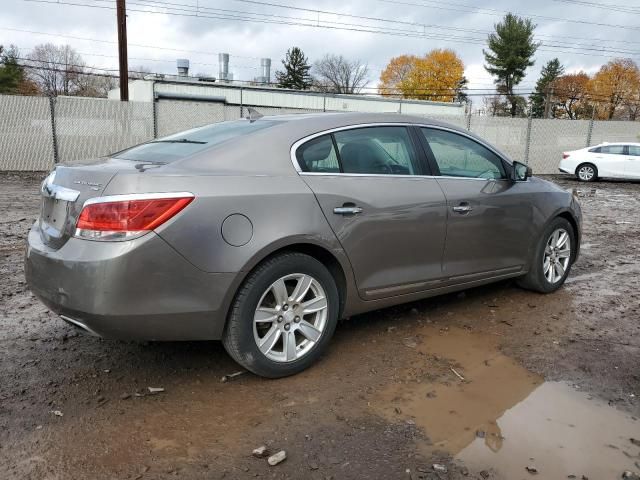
(461, 25)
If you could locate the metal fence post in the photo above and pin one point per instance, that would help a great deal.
(400, 109)
(52, 109)
(469, 121)
(324, 102)
(241, 105)
(528, 141)
(155, 117)
(154, 101)
(590, 130)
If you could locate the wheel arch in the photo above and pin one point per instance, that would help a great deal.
(597, 170)
(568, 215)
(335, 261)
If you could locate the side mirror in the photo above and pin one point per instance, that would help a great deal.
(521, 172)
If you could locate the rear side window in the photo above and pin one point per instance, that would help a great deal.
(634, 150)
(460, 156)
(183, 144)
(318, 155)
(595, 150)
(376, 150)
(613, 149)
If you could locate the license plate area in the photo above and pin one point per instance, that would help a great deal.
(54, 216)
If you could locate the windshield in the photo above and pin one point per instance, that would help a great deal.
(183, 144)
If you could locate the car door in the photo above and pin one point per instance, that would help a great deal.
(632, 165)
(390, 220)
(489, 220)
(611, 161)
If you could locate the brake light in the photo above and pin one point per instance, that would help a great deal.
(109, 218)
(565, 155)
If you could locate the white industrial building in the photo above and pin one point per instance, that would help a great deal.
(259, 94)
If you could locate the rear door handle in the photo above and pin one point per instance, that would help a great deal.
(347, 210)
(463, 208)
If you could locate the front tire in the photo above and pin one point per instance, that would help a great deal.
(587, 172)
(283, 316)
(552, 258)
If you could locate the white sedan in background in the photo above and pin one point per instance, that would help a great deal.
(610, 160)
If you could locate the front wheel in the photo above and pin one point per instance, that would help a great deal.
(283, 316)
(552, 258)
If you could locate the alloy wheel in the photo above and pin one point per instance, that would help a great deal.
(290, 317)
(586, 173)
(557, 255)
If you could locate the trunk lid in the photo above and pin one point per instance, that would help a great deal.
(66, 189)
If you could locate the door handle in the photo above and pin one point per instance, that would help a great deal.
(347, 210)
(463, 208)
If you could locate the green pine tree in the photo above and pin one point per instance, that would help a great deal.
(11, 73)
(296, 71)
(510, 53)
(549, 73)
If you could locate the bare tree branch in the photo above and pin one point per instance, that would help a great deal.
(336, 74)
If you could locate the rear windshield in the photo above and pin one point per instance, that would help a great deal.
(183, 144)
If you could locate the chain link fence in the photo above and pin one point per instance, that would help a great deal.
(26, 136)
(37, 132)
(89, 127)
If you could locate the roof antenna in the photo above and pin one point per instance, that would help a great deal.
(253, 114)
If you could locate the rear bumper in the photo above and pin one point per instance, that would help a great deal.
(135, 290)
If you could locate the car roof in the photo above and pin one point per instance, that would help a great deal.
(276, 141)
(328, 120)
(617, 143)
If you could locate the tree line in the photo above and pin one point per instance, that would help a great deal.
(59, 70)
(611, 93)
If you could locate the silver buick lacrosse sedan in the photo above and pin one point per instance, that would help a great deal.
(265, 232)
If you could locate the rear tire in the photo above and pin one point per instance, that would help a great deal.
(549, 270)
(587, 172)
(283, 316)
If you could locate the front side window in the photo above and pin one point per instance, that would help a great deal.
(634, 150)
(318, 155)
(613, 149)
(385, 150)
(460, 156)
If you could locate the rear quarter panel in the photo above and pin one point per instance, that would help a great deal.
(282, 210)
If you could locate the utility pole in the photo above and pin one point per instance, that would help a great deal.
(121, 10)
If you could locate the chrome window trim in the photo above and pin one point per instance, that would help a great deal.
(303, 140)
(136, 196)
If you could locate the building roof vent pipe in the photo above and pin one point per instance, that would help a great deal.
(223, 66)
(265, 70)
(183, 67)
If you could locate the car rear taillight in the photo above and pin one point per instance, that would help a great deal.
(565, 155)
(124, 217)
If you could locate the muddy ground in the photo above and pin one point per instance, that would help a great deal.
(484, 383)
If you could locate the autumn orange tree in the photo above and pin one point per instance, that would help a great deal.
(614, 86)
(395, 74)
(438, 76)
(571, 94)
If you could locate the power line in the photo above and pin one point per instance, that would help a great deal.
(346, 27)
(197, 8)
(111, 42)
(438, 92)
(605, 6)
(466, 8)
(340, 14)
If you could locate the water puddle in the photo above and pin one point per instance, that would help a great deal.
(503, 418)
